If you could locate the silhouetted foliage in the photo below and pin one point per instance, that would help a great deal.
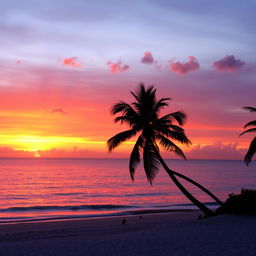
(243, 203)
(142, 118)
(252, 148)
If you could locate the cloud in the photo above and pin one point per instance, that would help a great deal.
(18, 62)
(10, 152)
(117, 67)
(72, 62)
(217, 150)
(59, 110)
(147, 58)
(184, 68)
(228, 63)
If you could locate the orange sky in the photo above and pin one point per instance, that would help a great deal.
(63, 66)
(47, 118)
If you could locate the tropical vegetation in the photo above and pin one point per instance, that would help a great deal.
(152, 131)
(243, 203)
(252, 147)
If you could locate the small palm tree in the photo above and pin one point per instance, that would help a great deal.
(252, 148)
(142, 116)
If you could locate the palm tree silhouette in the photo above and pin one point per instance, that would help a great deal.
(142, 116)
(252, 148)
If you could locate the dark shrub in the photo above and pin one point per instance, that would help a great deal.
(243, 203)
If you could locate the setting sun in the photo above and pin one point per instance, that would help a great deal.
(37, 155)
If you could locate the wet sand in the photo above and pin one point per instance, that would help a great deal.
(177, 233)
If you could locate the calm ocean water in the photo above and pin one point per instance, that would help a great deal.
(65, 188)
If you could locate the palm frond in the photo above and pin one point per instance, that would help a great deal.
(250, 109)
(178, 116)
(135, 156)
(161, 104)
(170, 146)
(118, 107)
(178, 136)
(248, 131)
(151, 162)
(250, 123)
(119, 138)
(176, 128)
(251, 151)
(164, 127)
(123, 107)
(125, 120)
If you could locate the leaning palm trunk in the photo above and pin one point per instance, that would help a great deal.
(197, 185)
(196, 202)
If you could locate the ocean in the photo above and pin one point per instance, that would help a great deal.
(44, 189)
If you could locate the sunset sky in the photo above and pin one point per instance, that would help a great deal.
(64, 63)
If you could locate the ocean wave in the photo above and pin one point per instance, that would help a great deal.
(190, 204)
(70, 208)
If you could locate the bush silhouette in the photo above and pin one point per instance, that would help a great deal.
(243, 203)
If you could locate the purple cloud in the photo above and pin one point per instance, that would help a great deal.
(184, 68)
(147, 58)
(228, 64)
(117, 67)
(218, 150)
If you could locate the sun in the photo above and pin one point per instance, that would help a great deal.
(37, 155)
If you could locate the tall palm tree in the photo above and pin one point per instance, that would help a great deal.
(252, 148)
(142, 116)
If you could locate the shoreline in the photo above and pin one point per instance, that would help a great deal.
(96, 216)
(176, 233)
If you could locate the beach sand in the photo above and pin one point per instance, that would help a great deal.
(177, 233)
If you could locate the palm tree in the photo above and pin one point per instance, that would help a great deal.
(142, 117)
(252, 148)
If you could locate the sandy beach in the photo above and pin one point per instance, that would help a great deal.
(178, 233)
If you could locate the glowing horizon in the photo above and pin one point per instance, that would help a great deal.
(58, 81)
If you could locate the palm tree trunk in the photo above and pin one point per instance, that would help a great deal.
(197, 185)
(196, 202)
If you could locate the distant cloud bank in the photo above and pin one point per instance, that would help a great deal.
(229, 64)
(185, 67)
(218, 150)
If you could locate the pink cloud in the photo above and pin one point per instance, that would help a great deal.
(228, 63)
(117, 67)
(72, 62)
(18, 62)
(217, 150)
(10, 152)
(147, 58)
(59, 110)
(185, 67)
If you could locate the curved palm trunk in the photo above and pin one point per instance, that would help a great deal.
(197, 185)
(196, 202)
